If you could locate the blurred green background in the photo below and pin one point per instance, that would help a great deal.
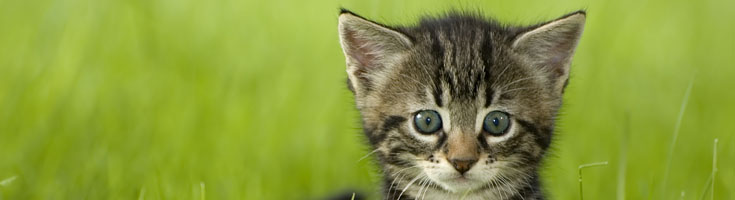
(226, 99)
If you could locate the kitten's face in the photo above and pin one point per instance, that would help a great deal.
(458, 149)
(456, 105)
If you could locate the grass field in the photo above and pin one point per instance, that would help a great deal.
(184, 99)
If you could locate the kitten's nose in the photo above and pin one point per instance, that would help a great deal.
(463, 165)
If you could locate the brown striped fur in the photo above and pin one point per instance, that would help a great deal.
(463, 66)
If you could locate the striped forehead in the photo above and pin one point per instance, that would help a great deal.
(464, 61)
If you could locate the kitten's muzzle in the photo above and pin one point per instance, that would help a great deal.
(462, 152)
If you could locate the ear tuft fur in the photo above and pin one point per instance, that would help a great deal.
(345, 11)
(369, 48)
(550, 46)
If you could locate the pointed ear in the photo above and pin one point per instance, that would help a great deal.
(370, 48)
(550, 46)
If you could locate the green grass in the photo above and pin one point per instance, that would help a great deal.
(124, 99)
(588, 165)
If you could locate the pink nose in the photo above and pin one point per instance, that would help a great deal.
(463, 165)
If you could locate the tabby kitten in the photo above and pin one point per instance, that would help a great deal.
(459, 106)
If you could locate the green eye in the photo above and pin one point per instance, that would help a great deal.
(496, 123)
(427, 121)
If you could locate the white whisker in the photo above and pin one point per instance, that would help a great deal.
(371, 153)
(428, 185)
(516, 89)
(517, 81)
(422, 184)
(409, 185)
(390, 189)
(503, 72)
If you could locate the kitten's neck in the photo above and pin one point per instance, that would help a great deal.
(510, 190)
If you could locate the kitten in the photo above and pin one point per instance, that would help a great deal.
(459, 106)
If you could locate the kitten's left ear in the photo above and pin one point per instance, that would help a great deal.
(551, 45)
(370, 49)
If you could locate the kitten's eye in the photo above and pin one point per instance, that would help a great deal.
(427, 121)
(496, 123)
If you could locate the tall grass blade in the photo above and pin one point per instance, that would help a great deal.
(623, 158)
(141, 195)
(670, 155)
(581, 197)
(8, 181)
(710, 183)
(714, 169)
(203, 191)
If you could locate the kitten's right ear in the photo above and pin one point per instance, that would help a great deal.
(370, 48)
(550, 46)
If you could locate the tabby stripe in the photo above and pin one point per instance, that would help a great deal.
(483, 140)
(487, 59)
(440, 141)
(438, 52)
(392, 157)
(390, 123)
(543, 135)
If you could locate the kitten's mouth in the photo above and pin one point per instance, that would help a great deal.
(458, 183)
(461, 179)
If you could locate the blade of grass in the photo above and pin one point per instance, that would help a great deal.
(8, 181)
(581, 197)
(714, 169)
(710, 183)
(623, 160)
(682, 108)
(706, 187)
(203, 190)
(141, 195)
(367, 155)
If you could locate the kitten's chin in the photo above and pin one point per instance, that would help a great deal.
(457, 184)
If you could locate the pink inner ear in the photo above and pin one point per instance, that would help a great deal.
(558, 58)
(360, 49)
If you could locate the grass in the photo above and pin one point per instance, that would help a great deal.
(676, 135)
(202, 191)
(583, 166)
(141, 196)
(6, 182)
(124, 99)
(714, 169)
(710, 183)
(623, 159)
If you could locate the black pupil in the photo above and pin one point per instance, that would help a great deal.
(428, 121)
(496, 121)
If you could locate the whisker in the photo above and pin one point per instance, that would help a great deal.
(505, 184)
(409, 185)
(371, 153)
(390, 189)
(517, 81)
(501, 192)
(428, 185)
(503, 72)
(516, 89)
(399, 171)
(422, 184)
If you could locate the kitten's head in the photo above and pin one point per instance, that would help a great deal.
(459, 100)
